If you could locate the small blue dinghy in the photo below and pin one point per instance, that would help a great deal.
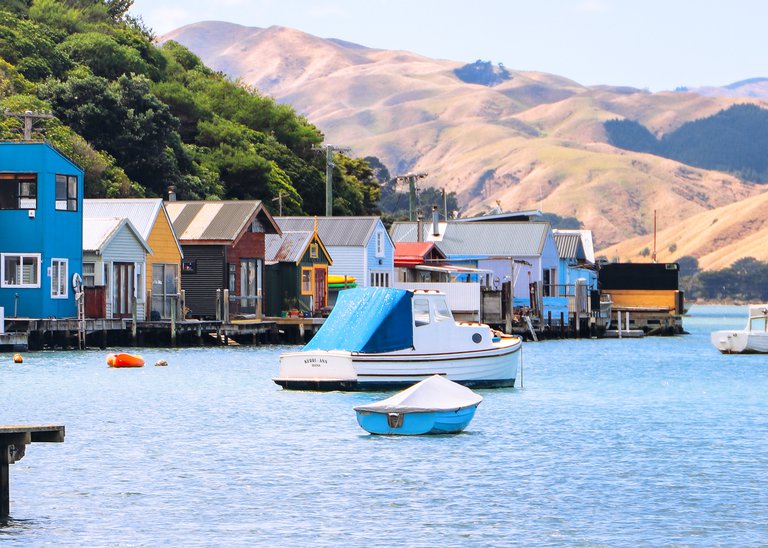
(435, 405)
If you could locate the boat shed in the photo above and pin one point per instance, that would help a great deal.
(359, 246)
(577, 259)
(41, 230)
(163, 269)
(297, 273)
(520, 252)
(224, 250)
(115, 254)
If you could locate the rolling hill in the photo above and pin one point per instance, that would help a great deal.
(533, 141)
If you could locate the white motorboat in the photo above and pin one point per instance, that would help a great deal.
(751, 340)
(382, 338)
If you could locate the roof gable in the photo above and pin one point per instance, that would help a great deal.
(218, 221)
(98, 232)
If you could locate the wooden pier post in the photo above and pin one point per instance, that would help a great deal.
(13, 442)
(173, 323)
(134, 318)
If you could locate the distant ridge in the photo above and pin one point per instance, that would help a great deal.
(534, 141)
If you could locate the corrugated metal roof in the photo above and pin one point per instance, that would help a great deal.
(488, 239)
(289, 247)
(569, 245)
(212, 220)
(141, 211)
(99, 231)
(334, 231)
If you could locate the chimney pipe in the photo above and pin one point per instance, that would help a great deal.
(419, 226)
(435, 221)
(171, 193)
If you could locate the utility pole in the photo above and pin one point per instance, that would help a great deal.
(29, 117)
(279, 201)
(329, 165)
(411, 179)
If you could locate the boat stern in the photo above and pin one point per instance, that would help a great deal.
(316, 370)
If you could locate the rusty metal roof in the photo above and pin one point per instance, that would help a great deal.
(217, 221)
(289, 247)
(334, 231)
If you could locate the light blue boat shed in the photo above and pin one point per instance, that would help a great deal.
(41, 223)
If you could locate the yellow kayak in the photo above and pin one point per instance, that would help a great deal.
(340, 279)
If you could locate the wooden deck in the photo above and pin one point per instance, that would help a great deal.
(13, 442)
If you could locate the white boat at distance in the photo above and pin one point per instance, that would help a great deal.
(751, 340)
(379, 338)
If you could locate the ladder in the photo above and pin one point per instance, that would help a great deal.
(530, 328)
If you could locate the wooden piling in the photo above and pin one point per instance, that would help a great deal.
(13, 442)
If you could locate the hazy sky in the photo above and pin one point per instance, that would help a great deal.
(653, 44)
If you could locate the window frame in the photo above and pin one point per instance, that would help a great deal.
(59, 284)
(420, 306)
(36, 257)
(18, 180)
(310, 281)
(89, 274)
(70, 196)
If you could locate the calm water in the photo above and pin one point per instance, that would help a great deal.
(658, 441)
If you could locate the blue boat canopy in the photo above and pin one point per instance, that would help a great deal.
(368, 320)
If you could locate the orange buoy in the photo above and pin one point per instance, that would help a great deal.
(17, 358)
(125, 360)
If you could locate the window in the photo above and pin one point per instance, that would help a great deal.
(89, 274)
(379, 279)
(232, 277)
(66, 192)
(18, 191)
(306, 280)
(21, 270)
(313, 251)
(59, 278)
(442, 312)
(164, 289)
(549, 279)
(421, 312)
(379, 244)
(758, 324)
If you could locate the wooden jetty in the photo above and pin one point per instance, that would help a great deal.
(13, 442)
(297, 330)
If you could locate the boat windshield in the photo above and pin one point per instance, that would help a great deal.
(757, 324)
(442, 312)
(421, 312)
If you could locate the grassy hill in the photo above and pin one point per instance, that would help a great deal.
(535, 140)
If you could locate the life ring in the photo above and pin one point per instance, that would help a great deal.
(77, 282)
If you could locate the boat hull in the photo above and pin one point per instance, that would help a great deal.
(740, 342)
(416, 423)
(338, 370)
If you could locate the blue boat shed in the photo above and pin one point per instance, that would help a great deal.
(41, 223)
